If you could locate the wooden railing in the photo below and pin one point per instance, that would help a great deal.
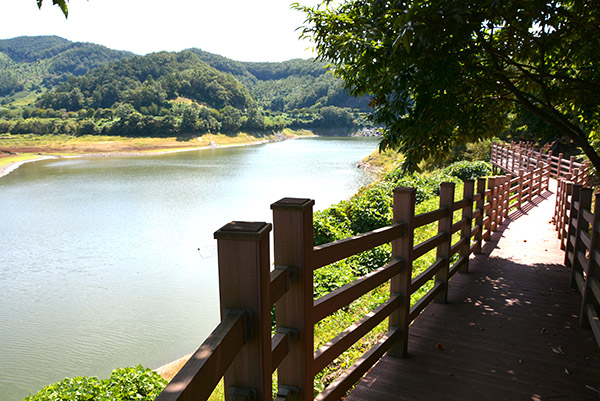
(242, 350)
(578, 227)
(582, 256)
(511, 157)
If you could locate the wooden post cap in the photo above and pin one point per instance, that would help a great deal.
(243, 230)
(292, 203)
(405, 190)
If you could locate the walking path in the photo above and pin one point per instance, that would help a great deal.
(508, 332)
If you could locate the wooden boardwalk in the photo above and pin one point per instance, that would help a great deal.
(508, 332)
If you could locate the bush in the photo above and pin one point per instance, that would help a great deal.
(465, 170)
(132, 383)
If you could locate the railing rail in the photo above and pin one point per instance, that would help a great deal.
(582, 243)
(242, 350)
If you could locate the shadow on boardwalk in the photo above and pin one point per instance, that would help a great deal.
(508, 332)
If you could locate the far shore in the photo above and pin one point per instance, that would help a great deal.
(120, 148)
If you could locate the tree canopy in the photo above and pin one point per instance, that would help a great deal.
(446, 72)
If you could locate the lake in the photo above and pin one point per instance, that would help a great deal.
(111, 262)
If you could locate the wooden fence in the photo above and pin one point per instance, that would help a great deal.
(577, 225)
(582, 245)
(242, 350)
(511, 157)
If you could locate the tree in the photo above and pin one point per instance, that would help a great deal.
(446, 72)
(61, 3)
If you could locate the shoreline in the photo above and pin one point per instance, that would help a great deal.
(277, 137)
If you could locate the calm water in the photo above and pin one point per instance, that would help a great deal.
(106, 263)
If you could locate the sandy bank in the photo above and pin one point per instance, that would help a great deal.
(8, 168)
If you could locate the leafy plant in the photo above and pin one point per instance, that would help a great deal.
(132, 383)
(468, 170)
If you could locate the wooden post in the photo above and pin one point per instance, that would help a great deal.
(571, 162)
(500, 184)
(564, 220)
(559, 171)
(558, 202)
(443, 250)
(491, 224)
(479, 220)
(592, 271)
(571, 228)
(550, 162)
(404, 213)
(465, 233)
(586, 171)
(244, 277)
(293, 247)
(575, 176)
(507, 195)
(537, 180)
(530, 186)
(512, 156)
(520, 188)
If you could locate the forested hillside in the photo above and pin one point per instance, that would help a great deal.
(50, 85)
(34, 64)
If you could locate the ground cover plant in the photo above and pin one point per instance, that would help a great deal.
(132, 383)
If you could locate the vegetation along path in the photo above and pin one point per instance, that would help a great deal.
(508, 332)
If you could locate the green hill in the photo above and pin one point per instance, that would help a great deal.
(46, 81)
(33, 64)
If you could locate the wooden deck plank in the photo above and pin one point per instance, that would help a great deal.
(508, 332)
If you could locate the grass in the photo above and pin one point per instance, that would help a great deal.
(5, 161)
(384, 162)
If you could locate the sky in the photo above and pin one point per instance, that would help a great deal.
(243, 30)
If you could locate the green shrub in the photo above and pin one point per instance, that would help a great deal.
(331, 224)
(132, 383)
(465, 170)
(371, 210)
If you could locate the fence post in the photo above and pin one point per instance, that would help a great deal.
(591, 270)
(530, 185)
(558, 202)
(465, 233)
(507, 195)
(443, 250)
(244, 278)
(564, 219)
(571, 162)
(550, 162)
(559, 172)
(479, 206)
(575, 176)
(293, 247)
(404, 213)
(586, 171)
(537, 181)
(521, 187)
(500, 184)
(571, 227)
(512, 156)
(491, 224)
